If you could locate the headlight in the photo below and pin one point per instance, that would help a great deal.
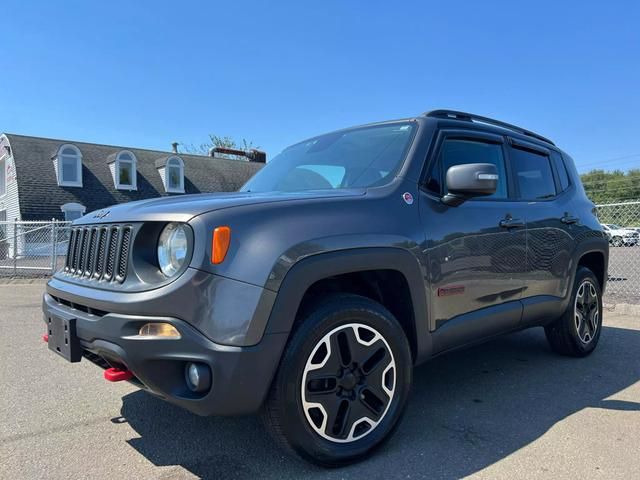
(172, 248)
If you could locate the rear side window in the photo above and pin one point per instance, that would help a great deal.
(533, 174)
(561, 169)
(460, 152)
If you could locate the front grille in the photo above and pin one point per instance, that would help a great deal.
(99, 252)
(79, 307)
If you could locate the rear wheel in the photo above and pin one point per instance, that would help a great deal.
(616, 241)
(342, 383)
(577, 331)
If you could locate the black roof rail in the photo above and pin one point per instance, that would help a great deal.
(470, 117)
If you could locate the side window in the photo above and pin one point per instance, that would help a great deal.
(533, 174)
(561, 169)
(463, 151)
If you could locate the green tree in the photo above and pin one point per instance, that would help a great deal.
(218, 141)
(612, 186)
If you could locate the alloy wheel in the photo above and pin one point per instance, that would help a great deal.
(348, 383)
(586, 311)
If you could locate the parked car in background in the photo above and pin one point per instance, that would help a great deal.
(620, 236)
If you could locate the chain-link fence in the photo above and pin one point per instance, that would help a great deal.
(39, 248)
(32, 248)
(621, 223)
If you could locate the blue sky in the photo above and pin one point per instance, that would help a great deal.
(145, 74)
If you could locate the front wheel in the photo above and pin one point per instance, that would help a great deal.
(577, 331)
(342, 383)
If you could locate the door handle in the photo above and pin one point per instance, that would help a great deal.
(568, 219)
(511, 223)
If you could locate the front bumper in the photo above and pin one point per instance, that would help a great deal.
(241, 376)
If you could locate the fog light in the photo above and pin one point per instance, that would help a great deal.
(163, 330)
(197, 376)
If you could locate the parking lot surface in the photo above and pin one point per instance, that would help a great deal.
(505, 409)
(624, 275)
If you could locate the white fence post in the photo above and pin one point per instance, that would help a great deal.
(15, 247)
(54, 243)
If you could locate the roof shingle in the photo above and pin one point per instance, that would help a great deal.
(41, 197)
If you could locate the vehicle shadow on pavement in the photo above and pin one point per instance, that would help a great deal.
(468, 410)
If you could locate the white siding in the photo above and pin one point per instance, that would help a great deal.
(112, 169)
(10, 201)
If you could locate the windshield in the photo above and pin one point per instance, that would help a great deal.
(359, 157)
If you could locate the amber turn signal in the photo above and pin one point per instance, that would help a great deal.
(220, 244)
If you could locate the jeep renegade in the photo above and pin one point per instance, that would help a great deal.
(348, 259)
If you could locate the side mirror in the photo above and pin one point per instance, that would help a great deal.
(470, 180)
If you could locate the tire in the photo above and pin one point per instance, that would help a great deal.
(616, 241)
(323, 419)
(577, 331)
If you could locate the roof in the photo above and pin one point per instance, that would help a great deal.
(41, 197)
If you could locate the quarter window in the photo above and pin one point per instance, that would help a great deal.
(463, 151)
(561, 169)
(533, 175)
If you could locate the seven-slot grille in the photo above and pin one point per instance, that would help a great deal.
(99, 252)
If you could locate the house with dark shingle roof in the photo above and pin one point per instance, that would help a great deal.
(43, 178)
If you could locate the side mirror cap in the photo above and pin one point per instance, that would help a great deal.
(470, 180)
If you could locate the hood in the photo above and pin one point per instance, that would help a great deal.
(184, 207)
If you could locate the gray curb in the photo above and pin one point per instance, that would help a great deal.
(23, 281)
(623, 308)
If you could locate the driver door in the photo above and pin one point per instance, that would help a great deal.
(476, 251)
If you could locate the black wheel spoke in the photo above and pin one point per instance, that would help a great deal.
(337, 416)
(582, 329)
(587, 296)
(374, 400)
(376, 361)
(594, 321)
(342, 343)
(586, 321)
(319, 384)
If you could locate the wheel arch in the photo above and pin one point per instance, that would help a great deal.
(301, 278)
(593, 254)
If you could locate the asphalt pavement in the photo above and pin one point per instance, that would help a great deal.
(623, 285)
(505, 409)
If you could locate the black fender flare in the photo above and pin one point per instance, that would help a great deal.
(591, 245)
(311, 269)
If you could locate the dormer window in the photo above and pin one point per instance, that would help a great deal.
(174, 175)
(125, 173)
(171, 170)
(68, 165)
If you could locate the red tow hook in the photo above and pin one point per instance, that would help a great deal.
(117, 375)
(45, 338)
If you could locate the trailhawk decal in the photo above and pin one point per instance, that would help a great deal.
(451, 290)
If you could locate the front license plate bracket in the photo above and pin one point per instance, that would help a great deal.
(63, 339)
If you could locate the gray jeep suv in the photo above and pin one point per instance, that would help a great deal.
(348, 259)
